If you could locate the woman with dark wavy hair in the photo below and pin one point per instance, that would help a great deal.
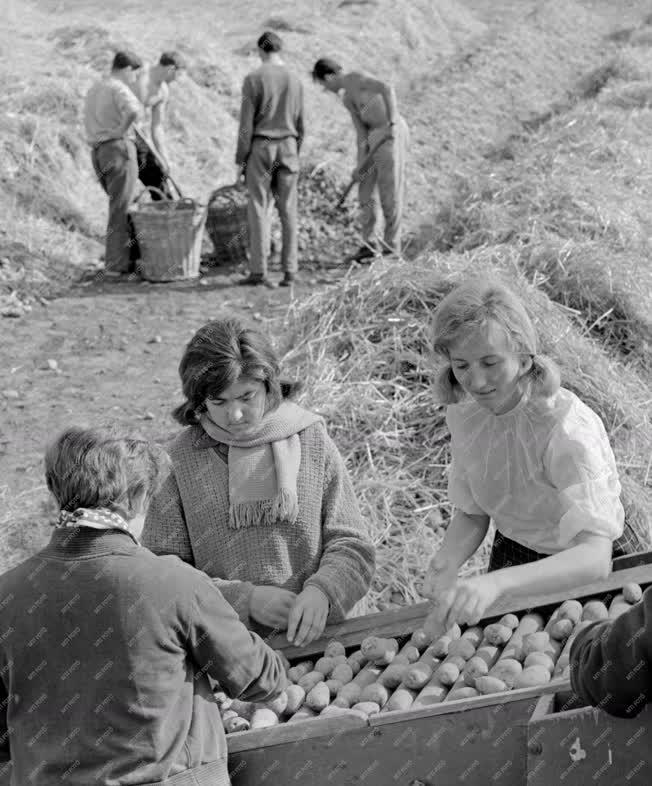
(258, 496)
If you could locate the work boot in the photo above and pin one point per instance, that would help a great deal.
(363, 255)
(288, 279)
(256, 280)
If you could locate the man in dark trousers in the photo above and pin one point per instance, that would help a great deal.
(110, 110)
(269, 140)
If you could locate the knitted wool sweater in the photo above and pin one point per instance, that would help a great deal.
(328, 545)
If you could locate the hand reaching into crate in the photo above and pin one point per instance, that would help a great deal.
(308, 616)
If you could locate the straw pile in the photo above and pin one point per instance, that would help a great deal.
(364, 348)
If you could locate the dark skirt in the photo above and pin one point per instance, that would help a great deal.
(506, 552)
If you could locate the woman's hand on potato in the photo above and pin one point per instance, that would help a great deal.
(271, 606)
(308, 616)
(471, 599)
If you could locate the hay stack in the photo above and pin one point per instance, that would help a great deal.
(363, 347)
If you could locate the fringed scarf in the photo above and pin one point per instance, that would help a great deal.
(264, 466)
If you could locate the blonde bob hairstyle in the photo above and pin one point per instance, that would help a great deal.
(470, 307)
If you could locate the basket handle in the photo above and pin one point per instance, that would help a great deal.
(154, 190)
(228, 190)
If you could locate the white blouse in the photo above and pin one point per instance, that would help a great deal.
(544, 471)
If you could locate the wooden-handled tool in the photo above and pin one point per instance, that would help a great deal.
(167, 175)
(361, 168)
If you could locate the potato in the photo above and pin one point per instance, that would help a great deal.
(375, 693)
(319, 697)
(490, 685)
(540, 659)
(474, 635)
(417, 675)
(570, 610)
(561, 629)
(420, 639)
(393, 675)
(497, 634)
(506, 670)
(276, 705)
(618, 606)
(536, 642)
(456, 660)
(343, 673)
(462, 647)
(244, 709)
(262, 718)
(466, 692)
(223, 701)
(356, 657)
(333, 649)
(233, 725)
(448, 673)
(401, 699)
(367, 707)
(441, 645)
(341, 702)
(334, 687)
(488, 653)
(411, 653)
(475, 667)
(338, 660)
(333, 709)
(309, 680)
(296, 672)
(325, 666)
(510, 621)
(350, 692)
(454, 632)
(380, 651)
(355, 664)
(305, 713)
(296, 696)
(532, 676)
(594, 610)
(632, 592)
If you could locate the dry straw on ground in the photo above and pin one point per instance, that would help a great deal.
(364, 350)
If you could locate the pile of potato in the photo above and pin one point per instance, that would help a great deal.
(383, 677)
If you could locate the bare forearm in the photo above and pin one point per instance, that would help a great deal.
(463, 538)
(571, 568)
(158, 137)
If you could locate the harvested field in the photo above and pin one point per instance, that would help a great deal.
(530, 126)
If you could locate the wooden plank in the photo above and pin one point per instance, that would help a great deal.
(462, 705)
(587, 746)
(404, 621)
(293, 732)
(484, 745)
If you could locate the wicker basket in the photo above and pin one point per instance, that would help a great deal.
(227, 224)
(169, 235)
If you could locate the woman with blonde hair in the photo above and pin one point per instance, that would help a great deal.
(526, 453)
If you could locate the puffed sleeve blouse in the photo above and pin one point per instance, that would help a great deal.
(543, 472)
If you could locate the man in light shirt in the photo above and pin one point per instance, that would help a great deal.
(110, 110)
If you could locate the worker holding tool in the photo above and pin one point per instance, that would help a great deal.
(383, 139)
(267, 156)
(152, 89)
(110, 110)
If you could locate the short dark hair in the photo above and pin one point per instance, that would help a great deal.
(172, 59)
(126, 59)
(96, 468)
(219, 354)
(270, 42)
(325, 67)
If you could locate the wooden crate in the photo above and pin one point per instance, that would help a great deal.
(478, 741)
(586, 746)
